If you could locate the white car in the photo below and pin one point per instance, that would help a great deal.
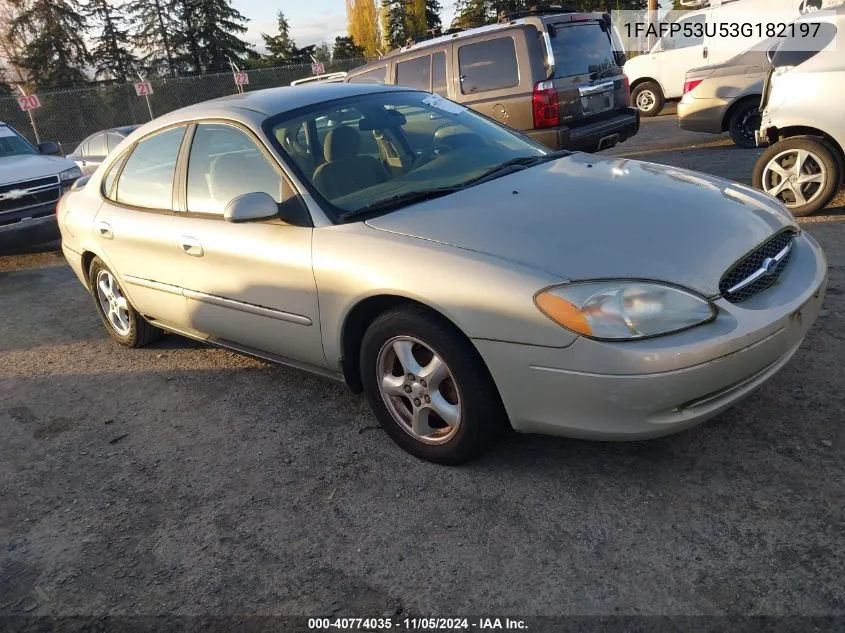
(802, 121)
(32, 179)
(658, 76)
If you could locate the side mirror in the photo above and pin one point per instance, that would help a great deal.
(251, 207)
(49, 148)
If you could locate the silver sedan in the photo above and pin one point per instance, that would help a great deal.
(462, 276)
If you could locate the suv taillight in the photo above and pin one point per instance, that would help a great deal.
(627, 84)
(691, 84)
(544, 100)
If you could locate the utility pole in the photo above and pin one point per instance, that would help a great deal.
(652, 23)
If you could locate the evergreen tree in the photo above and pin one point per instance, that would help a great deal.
(186, 39)
(396, 18)
(323, 53)
(346, 48)
(154, 28)
(55, 53)
(362, 24)
(471, 13)
(432, 15)
(111, 56)
(218, 26)
(280, 48)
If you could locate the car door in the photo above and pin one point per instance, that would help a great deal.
(681, 53)
(248, 284)
(95, 154)
(133, 226)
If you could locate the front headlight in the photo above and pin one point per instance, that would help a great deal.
(623, 310)
(70, 174)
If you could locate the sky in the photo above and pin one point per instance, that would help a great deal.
(311, 21)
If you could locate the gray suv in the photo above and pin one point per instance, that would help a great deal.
(554, 75)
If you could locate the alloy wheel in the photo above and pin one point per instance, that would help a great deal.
(114, 305)
(419, 390)
(795, 176)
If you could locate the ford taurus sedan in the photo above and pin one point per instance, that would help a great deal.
(459, 274)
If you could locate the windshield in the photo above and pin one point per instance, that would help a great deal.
(12, 144)
(363, 152)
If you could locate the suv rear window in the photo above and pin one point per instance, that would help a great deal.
(489, 65)
(581, 49)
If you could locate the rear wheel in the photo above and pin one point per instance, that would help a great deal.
(743, 123)
(803, 172)
(428, 386)
(648, 97)
(122, 321)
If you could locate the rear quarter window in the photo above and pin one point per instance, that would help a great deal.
(488, 65)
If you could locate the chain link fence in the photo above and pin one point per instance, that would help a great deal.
(69, 116)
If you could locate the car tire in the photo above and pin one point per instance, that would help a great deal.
(648, 98)
(121, 320)
(778, 164)
(743, 122)
(398, 355)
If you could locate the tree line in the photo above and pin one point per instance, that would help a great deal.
(53, 43)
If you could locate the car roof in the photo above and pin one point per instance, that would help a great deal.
(251, 108)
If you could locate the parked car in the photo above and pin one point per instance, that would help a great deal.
(555, 76)
(659, 75)
(457, 272)
(328, 77)
(726, 97)
(32, 180)
(802, 120)
(91, 152)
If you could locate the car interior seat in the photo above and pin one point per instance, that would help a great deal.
(346, 170)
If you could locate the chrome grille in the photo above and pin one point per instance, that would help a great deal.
(758, 270)
(17, 196)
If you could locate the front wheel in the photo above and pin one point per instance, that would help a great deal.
(649, 99)
(803, 172)
(428, 387)
(743, 123)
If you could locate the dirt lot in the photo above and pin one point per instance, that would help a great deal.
(181, 479)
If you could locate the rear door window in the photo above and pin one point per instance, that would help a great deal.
(581, 49)
(375, 76)
(415, 73)
(147, 178)
(488, 65)
(97, 145)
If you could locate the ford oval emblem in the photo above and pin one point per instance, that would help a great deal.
(769, 265)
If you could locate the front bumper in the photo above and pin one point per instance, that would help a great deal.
(643, 389)
(37, 226)
(591, 137)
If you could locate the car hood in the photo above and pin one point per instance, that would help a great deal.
(17, 168)
(585, 217)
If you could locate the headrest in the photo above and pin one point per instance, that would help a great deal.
(343, 142)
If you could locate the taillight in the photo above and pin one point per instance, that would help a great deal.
(691, 84)
(544, 100)
(627, 84)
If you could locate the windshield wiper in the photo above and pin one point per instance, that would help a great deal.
(400, 200)
(503, 169)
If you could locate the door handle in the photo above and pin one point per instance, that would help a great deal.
(104, 229)
(705, 52)
(190, 246)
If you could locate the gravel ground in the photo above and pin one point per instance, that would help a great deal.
(181, 479)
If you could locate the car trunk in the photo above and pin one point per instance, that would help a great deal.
(588, 78)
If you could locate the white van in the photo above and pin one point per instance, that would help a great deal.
(658, 76)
